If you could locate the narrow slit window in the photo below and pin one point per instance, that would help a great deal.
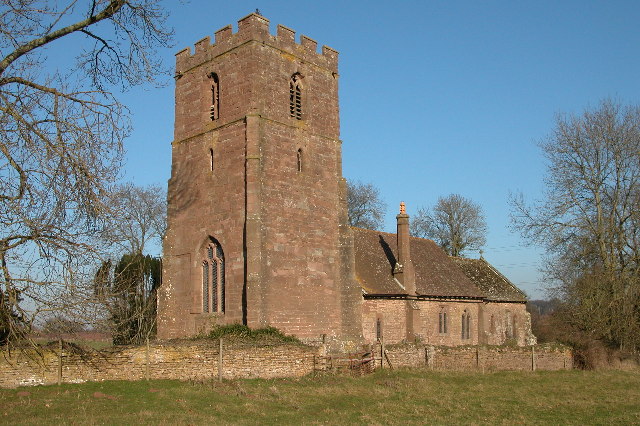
(466, 325)
(378, 329)
(299, 160)
(211, 159)
(509, 325)
(442, 322)
(214, 109)
(295, 96)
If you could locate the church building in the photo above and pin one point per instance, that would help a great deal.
(258, 230)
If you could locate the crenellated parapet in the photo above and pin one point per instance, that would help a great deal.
(254, 27)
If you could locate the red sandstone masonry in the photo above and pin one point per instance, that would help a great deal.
(281, 229)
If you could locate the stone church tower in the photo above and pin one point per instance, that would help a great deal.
(257, 218)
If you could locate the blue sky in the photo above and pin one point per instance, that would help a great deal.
(436, 97)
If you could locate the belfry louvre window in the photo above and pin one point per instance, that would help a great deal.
(214, 110)
(213, 279)
(295, 96)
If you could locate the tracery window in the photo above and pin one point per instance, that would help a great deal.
(466, 325)
(442, 321)
(295, 96)
(213, 278)
(214, 110)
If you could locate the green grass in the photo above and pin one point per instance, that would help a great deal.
(386, 397)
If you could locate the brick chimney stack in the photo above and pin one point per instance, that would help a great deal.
(403, 270)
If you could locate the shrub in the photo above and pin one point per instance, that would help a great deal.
(241, 331)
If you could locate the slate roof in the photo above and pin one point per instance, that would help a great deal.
(436, 274)
(495, 286)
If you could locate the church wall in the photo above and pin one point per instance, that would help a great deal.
(194, 215)
(426, 322)
(301, 256)
(392, 319)
(506, 323)
(300, 210)
(429, 322)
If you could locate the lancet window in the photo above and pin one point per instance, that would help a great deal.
(466, 325)
(442, 321)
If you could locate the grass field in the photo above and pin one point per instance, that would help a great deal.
(386, 397)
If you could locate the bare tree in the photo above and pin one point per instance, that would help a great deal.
(127, 288)
(139, 216)
(61, 134)
(455, 223)
(589, 221)
(366, 209)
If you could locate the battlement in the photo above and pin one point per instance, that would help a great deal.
(256, 27)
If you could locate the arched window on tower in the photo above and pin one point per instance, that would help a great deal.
(295, 96)
(213, 278)
(214, 110)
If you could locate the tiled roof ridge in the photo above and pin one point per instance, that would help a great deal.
(484, 262)
(507, 280)
(390, 233)
(436, 274)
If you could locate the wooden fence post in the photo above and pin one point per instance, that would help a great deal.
(146, 369)
(59, 361)
(220, 361)
(429, 352)
(533, 358)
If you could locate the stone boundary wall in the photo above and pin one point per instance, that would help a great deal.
(524, 358)
(188, 360)
(175, 360)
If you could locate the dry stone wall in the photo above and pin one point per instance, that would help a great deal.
(528, 358)
(192, 360)
(182, 361)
